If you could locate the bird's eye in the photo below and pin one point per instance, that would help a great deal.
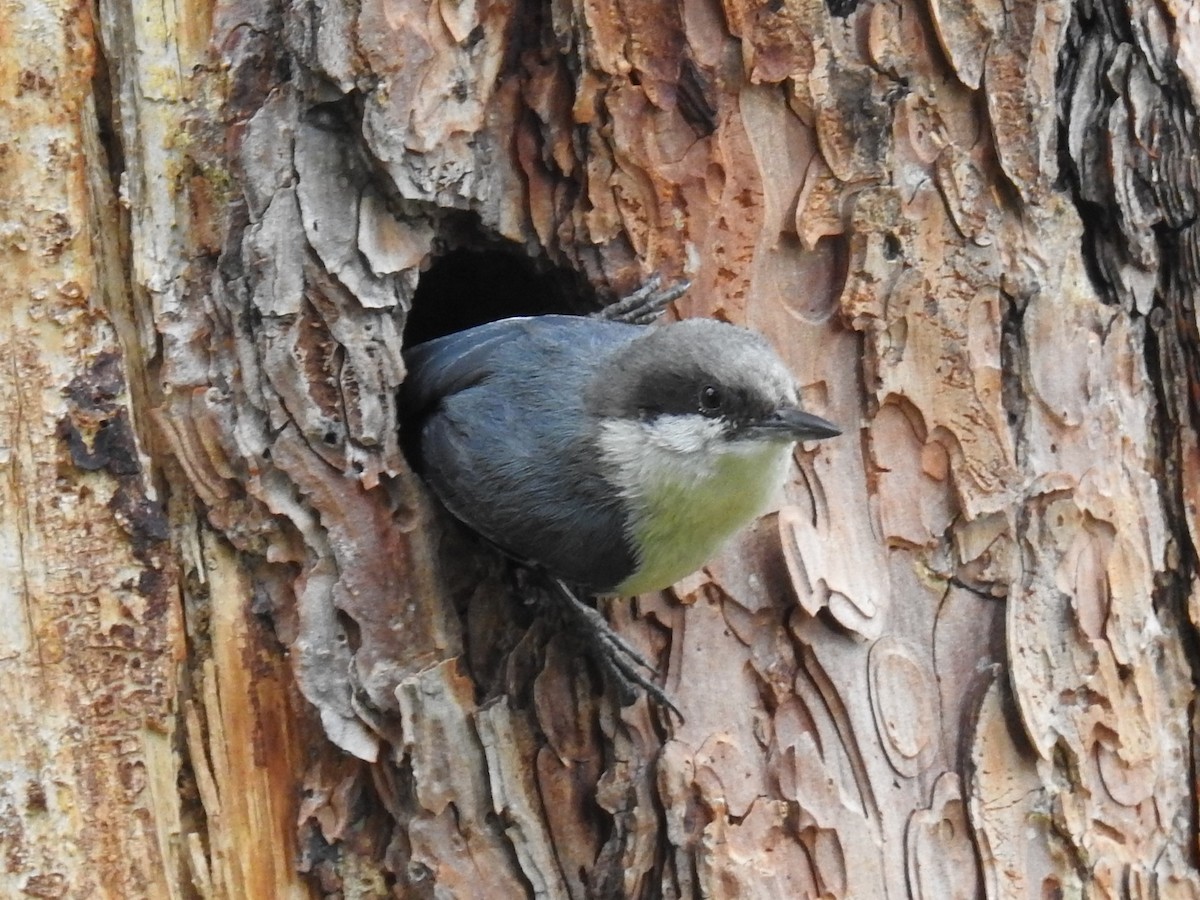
(710, 400)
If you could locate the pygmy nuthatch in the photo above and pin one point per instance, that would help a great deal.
(617, 457)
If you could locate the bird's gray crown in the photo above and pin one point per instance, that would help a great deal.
(697, 366)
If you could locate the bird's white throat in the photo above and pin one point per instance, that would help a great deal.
(688, 489)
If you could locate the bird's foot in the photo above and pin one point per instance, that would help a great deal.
(645, 304)
(621, 663)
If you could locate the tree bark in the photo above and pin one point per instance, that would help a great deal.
(246, 654)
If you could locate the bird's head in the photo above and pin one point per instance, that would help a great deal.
(703, 387)
(695, 422)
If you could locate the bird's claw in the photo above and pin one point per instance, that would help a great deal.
(645, 304)
(620, 661)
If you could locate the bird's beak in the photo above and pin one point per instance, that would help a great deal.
(793, 424)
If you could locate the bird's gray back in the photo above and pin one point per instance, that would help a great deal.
(500, 415)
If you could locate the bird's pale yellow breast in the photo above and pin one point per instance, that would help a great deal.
(687, 506)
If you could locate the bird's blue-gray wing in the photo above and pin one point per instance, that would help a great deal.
(447, 365)
(504, 441)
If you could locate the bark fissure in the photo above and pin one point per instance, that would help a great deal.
(1142, 113)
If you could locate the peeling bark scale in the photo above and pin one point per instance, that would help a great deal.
(245, 656)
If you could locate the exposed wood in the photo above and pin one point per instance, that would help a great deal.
(92, 640)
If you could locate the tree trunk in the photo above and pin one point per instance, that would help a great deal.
(247, 655)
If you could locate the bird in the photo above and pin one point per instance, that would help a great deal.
(616, 458)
